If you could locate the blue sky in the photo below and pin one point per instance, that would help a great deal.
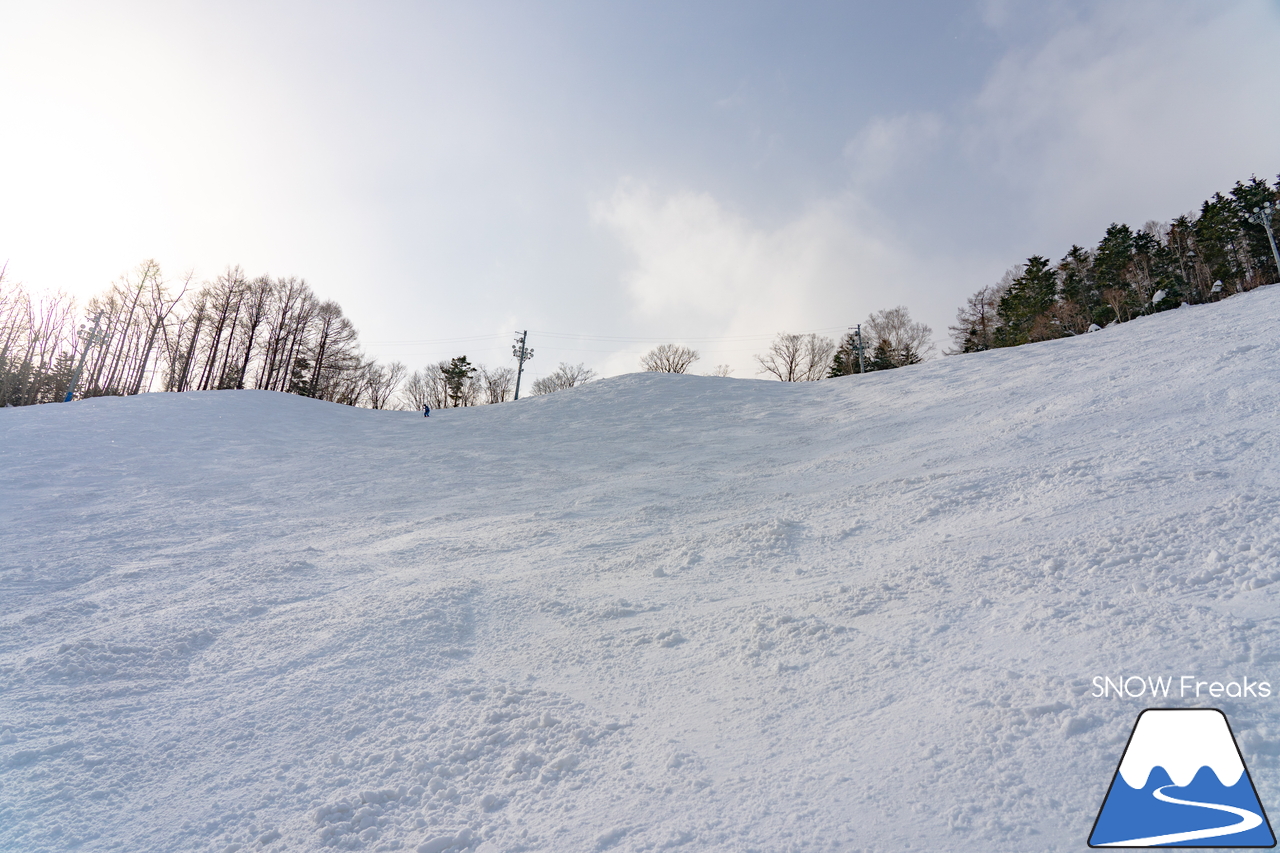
(631, 173)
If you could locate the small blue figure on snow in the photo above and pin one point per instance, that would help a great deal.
(426, 410)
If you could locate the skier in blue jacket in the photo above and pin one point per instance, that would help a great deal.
(426, 410)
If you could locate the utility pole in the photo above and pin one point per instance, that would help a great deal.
(857, 336)
(522, 354)
(89, 340)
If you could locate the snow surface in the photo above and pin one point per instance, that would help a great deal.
(1181, 742)
(656, 612)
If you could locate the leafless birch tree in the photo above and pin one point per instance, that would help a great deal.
(797, 358)
(669, 358)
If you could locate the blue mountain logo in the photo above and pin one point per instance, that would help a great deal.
(1182, 783)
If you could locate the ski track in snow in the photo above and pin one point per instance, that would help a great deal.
(653, 613)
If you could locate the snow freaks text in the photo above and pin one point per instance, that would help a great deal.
(1183, 687)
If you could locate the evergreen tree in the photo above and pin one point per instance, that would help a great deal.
(1122, 275)
(456, 376)
(882, 358)
(1030, 295)
(1075, 276)
(59, 379)
(1112, 257)
(1216, 228)
(1112, 262)
(300, 378)
(845, 362)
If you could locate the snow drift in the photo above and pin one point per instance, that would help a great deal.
(655, 612)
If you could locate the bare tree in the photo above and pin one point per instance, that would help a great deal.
(498, 383)
(223, 299)
(721, 370)
(135, 341)
(416, 390)
(893, 330)
(112, 360)
(783, 358)
(1120, 301)
(797, 358)
(976, 322)
(565, 376)
(224, 336)
(669, 358)
(293, 307)
(432, 386)
(37, 342)
(1062, 319)
(333, 356)
(180, 343)
(257, 305)
(159, 305)
(380, 383)
(13, 323)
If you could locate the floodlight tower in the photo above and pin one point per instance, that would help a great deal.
(857, 342)
(521, 353)
(1262, 215)
(89, 340)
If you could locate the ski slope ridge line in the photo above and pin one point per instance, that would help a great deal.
(654, 612)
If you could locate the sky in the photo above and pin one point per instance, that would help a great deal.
(615, 175)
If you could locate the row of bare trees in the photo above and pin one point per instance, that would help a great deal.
(447, 384)
(890, 339)
(146, 333)
(38, 345)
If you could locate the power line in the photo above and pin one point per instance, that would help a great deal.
(600, 338)
(441, 340)
(647, 338)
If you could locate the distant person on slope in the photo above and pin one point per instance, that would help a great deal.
(426, 410)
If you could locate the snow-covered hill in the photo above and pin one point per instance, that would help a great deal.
(654, 612)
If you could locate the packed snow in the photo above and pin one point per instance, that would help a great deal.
(655, 612)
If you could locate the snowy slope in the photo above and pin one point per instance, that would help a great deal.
(654, 612)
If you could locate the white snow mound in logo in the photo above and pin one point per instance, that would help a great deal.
(1181, 742)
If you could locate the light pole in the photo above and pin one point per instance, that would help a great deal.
(1262, 216)
(89, 340)
(857, 342)
(522, 354)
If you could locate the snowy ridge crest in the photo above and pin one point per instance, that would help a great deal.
(1181, 741)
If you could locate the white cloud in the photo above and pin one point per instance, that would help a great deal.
(887, 144)
(703, 270)
(1136, 111)
(1118, 113)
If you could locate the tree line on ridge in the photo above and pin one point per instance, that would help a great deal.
(146, 333)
